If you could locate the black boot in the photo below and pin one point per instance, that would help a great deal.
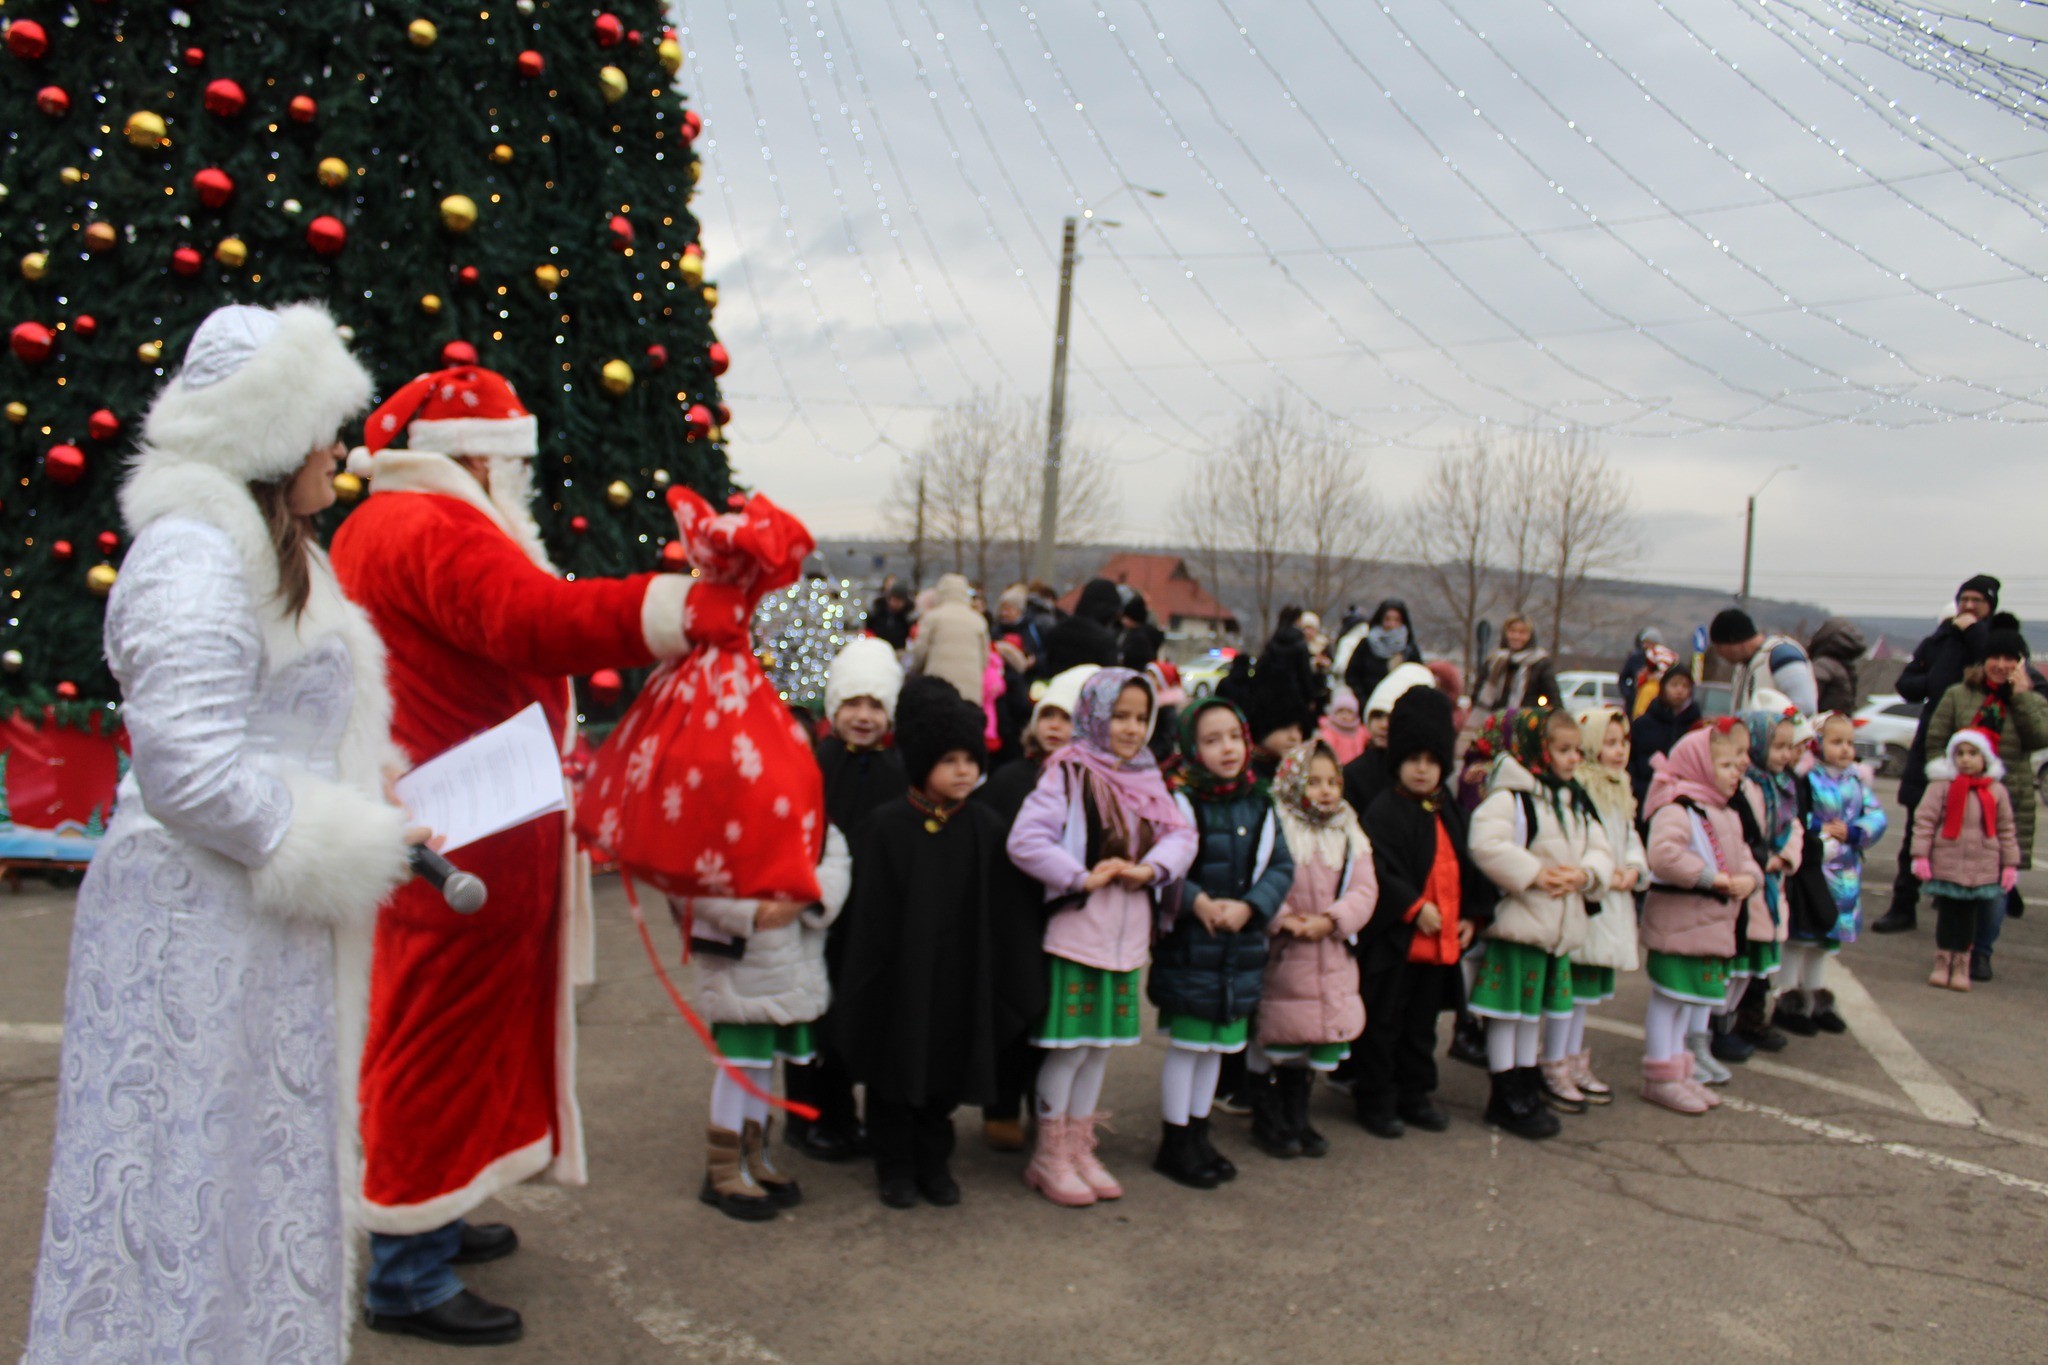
(1791, 1014)
(1516, 1106)
(1180, 1158)
(1468, 1040)
(1378, 1116)
(1296, 1084)
(1980, 964)
(1753, 1023)
(1269, 1119)
(1420, 1111)
(1225, 1168)
(468, 1319)
(1728, 1044)
(1824, 1016)
(1902, 918)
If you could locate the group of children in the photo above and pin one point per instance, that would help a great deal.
(1303, 912)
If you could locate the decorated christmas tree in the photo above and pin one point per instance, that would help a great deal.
(506, 184)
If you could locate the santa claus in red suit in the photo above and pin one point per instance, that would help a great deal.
(468, 1081)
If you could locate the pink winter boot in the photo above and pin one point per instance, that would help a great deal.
(1081, 1147)
(1051, 1171)
(1669, 1082)
(1592, 1087)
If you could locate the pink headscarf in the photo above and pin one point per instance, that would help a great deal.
(1687, 771)
(1126, 790)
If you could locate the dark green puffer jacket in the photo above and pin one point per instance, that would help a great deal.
(1217, 976)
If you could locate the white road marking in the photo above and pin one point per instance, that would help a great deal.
(581, 1239)
(1901, 1061)
(33, 1033)
(1835, 1132)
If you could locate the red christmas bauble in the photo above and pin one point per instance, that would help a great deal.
(32, 341)
(103, 425)
(633, 37)
(698, 419)
(609, 30)
(108, 542)
(225, 98)
(214, 186)
(53, 100)
(674, 556)
(64, 464)
(195, 56)
(657, 356)
(693, 124)
(27, 39)
(67, 690)
(469, 274)
(303, 108)
(187, 260)
(531, 64)
(458, 353)
(85, 325)
(606, 686)
(61, 550)
(721, 359)
(621, 229)
(326, 234)
(579, 525)
(724, 415)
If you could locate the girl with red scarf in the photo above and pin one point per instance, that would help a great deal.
(1965, 847)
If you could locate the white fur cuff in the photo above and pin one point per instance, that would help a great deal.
(342, 854)
(661, 615)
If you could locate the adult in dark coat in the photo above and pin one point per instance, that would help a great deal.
(1835, 649)
(1088, 636)
(1386, 638)
(1142, 637)
(889, 616)
(1938, 663)
(1663, 723)
(938, 977)
(1286, 673)
(1631, 675)
(1395, 1069)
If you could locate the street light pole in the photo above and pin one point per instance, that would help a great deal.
(1055, 417)
(1749, 530)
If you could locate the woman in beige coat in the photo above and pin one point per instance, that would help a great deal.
(952, 639)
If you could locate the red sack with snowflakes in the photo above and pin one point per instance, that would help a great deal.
(708, 787)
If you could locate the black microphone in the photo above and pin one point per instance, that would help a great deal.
(464, 893)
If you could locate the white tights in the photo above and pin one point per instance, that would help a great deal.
(1512, 1043)
(1665, 1024)
(1070, 1081)
(1187, 1084)
(1806, 967)
(731, 1106)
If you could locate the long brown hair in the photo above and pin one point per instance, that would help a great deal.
(291, 535)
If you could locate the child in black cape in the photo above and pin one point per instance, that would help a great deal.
(1429, 910)
(940, 971)
(862, 774)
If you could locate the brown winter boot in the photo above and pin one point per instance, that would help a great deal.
(727, 1186)
(1939, 976)
(756, 1141)
(1959, 971)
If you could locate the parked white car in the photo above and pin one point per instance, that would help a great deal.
(1201, 675)
(1584, 691)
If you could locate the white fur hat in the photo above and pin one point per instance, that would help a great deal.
(867, 667)
(1063, 690)
(1944, 768)
(259, 389)
(1400, 678)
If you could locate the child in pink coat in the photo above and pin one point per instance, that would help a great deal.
(1965, 847)
(1310, 1010)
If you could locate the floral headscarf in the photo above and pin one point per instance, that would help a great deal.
(1190, 776)
(1780, 790)
(1128, 793)
(1528, 739)
(1332, 835)
(1612, 791)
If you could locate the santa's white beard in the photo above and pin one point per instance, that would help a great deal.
(511, 492)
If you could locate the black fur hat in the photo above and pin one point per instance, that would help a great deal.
(932, 720)
(2006, 642)
(1421, 724)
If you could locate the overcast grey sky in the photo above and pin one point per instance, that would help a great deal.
(1730, 235)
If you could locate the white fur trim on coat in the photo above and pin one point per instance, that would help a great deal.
(475, 435)
(779, 976)
(260, 422)
(341, 855)
(662, 612)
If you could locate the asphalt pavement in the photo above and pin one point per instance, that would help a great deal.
(1876, 1197)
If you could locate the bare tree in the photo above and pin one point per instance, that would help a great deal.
(1450, 530)
(1588, 525)
(1088, 502)
(906, 514)
(1520, 541)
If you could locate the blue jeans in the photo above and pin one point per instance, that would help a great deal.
(411, 1274)
(1990, 919)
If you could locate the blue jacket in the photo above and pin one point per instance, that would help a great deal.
(1243, 856)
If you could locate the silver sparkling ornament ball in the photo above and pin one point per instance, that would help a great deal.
(11, 661)
(291, 206)
(660, 477)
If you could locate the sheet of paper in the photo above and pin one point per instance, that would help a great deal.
(509, 774)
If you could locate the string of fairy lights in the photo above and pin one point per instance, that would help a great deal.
(923, 133)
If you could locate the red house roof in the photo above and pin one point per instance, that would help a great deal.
(1170, 591)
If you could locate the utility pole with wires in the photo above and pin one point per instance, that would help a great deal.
(1055, 417)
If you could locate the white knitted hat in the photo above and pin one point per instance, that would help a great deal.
(1064, 690)
(867, 667)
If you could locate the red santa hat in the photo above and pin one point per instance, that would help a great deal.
(467, 410)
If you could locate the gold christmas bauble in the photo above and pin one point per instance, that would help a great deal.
(333, 171)
(100, 578)
(71, 175)
(101, 236)
(458, 213)
(618, 493)
(612, 82)
(146, 129)
(232, 252)
(149, 352)
(711, 296)
(347, 486)
(422, 32)
(617, 376)
(35, 265)
(547, 277)
(692, 266)
(660, 477)
(502, 153)
(430, 304)
(12, 661)
(671, 54)
(17, 412)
